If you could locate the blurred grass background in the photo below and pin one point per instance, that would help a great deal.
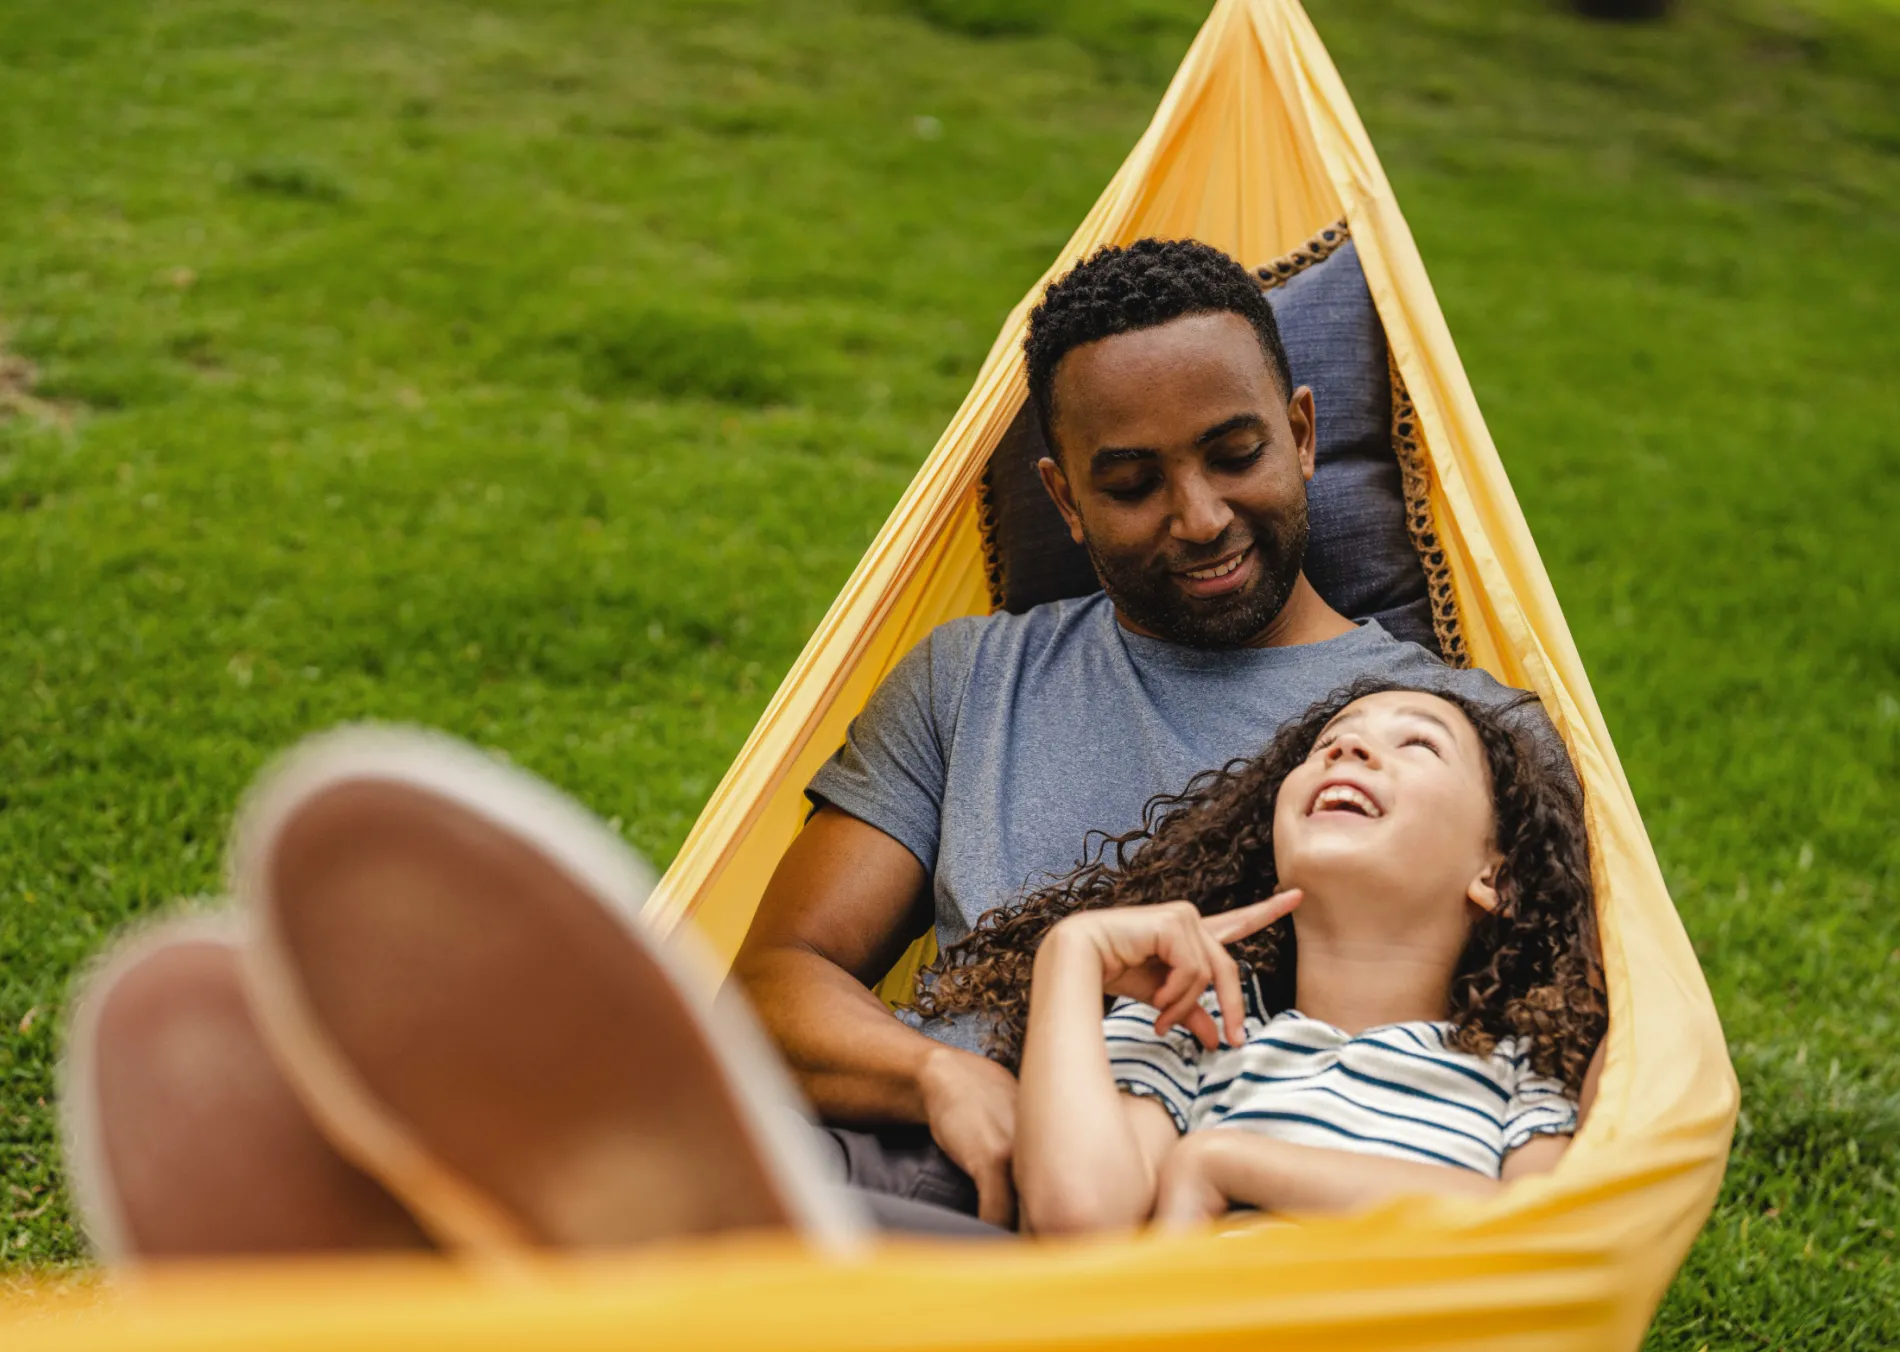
(540, 370)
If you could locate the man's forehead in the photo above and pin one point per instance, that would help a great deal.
(1163, 385)
(1190, 346)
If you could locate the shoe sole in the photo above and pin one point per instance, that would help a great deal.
(447, 958)
(183, 1140)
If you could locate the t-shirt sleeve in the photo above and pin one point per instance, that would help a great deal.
(890, 771)
(1165, 1067)
(1539, 1106)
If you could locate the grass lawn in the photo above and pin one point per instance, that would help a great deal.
(540, 370)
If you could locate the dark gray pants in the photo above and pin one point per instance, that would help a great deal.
(907, 1183)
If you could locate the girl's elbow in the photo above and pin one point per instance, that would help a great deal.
(1539, 1155)
(1056, 1210)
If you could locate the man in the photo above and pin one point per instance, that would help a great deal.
(990, 753)
(435, 1016)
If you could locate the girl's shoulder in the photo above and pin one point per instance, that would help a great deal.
(1415, 1059)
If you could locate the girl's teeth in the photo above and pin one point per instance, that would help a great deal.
(1340, 795)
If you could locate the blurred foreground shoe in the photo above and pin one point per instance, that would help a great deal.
(183, 1140)
(446, 958)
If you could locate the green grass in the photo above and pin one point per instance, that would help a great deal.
(539, 371)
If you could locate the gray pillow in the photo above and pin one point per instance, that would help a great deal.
(1360, 554)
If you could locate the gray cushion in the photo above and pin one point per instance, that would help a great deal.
(1359, 556)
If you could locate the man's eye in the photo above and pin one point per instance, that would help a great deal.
(1131, 492)
(1236, 463)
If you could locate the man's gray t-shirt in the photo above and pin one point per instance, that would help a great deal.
(999, 743)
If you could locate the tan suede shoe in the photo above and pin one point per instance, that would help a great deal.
(447, 960)
(183, 1140)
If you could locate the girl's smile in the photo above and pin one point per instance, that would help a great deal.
(1392, 809)
(1342, 795)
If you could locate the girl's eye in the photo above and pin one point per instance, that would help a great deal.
(1322, 744)
(1426, 742)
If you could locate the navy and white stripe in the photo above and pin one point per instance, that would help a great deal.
(1396, 1090)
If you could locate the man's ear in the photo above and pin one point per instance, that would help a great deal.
(1055, 482)
(1483, 892)
(1299, 414)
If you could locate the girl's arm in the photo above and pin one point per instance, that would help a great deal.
(1211, 1170)
(1539, 1155)
(1087, 1155)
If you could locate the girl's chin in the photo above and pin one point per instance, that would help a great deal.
(1345, 873)
(1332, 852)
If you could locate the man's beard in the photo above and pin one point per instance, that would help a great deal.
(1149, 597)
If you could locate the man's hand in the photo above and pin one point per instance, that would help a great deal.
(1167, 955)
(970, 1102)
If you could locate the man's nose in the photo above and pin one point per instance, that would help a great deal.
(1201, 514)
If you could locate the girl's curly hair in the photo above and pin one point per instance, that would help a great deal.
(1531, 970)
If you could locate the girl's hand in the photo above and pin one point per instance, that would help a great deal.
(1167, 955)
(1187, 1191)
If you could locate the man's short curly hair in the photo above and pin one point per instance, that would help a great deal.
(1122, 290)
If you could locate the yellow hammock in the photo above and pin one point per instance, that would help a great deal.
(1255, 147)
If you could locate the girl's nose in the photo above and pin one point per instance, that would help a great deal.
(1347, 744)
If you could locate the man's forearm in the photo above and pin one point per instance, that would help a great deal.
(841, 906)
(855, 1060)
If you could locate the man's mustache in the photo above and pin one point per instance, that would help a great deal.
(1200, 556)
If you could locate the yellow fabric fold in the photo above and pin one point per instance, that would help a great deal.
(1254, 147)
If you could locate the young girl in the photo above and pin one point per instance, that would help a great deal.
(1413, 1007)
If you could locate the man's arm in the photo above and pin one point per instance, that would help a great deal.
(844, 903)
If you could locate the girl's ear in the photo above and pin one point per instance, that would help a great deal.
(1483, 892)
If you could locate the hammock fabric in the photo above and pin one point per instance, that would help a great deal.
(1254, 147)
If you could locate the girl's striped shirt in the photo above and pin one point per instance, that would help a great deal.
(1396, 1090)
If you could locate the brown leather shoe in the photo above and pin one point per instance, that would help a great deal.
(447, 960)
(182, 1137)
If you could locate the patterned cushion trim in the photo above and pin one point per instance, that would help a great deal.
(986, 528)
(1415, 473)
(1316, 250)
